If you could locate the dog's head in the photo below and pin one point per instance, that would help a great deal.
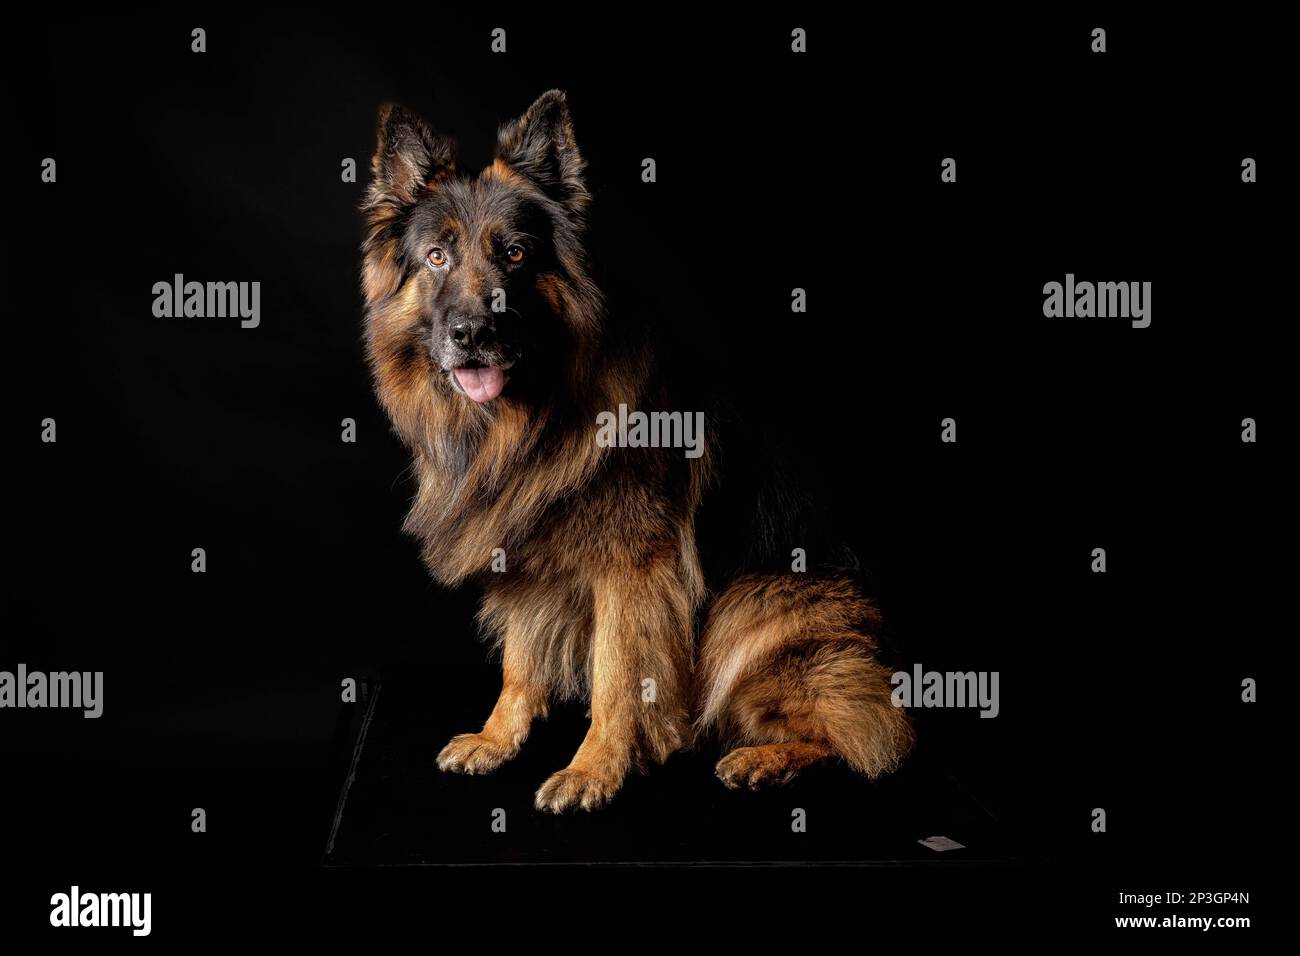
(483, 275)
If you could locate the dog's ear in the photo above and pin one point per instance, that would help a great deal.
(540, 145)
(408, 156)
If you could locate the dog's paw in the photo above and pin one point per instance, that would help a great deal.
(473, 753)
(571, 788)
(755, 767)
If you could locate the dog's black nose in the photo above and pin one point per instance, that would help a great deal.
(474, 331)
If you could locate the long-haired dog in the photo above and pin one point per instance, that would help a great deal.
(493, 354)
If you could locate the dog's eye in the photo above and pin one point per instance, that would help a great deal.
(515, 254)
(438, 257)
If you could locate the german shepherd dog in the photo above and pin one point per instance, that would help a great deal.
(604, 597)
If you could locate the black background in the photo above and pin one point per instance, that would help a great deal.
(820, 171)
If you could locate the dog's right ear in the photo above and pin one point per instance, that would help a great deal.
(408, 157)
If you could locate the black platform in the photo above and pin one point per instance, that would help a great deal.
(397, 808)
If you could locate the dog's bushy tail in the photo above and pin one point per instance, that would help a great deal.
(793, 659)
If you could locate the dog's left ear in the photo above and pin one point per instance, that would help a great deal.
(540, 145)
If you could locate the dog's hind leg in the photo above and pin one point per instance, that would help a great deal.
(789, 675)
(755, 767)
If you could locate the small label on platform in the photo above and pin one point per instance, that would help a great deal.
(941, 843)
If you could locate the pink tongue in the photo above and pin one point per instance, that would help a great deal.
(481, 384)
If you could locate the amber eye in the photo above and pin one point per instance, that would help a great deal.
(438, 257)
(515, 254)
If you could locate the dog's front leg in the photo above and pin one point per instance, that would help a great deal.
(521, 700)
(640, 673)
